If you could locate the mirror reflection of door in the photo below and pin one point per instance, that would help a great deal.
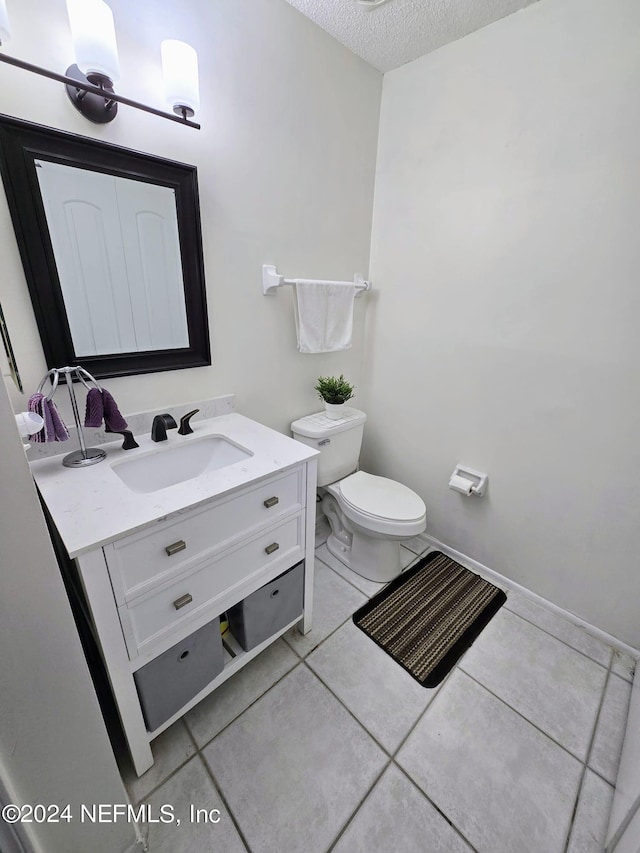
(117, 253)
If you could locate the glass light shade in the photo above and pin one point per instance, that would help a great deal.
(94, 37)
(180, 73)
(5, 29)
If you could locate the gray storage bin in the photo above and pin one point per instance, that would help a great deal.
(268, 609)
(169, 681)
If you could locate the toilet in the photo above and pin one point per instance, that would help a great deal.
(370, 516)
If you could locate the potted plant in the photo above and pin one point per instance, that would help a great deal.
(335, 391)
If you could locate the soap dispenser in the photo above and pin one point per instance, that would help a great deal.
(28, 423)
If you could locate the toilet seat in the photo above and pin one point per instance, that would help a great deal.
(380, 505)
(381, 498)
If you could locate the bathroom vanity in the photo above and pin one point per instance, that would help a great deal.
(160, 558)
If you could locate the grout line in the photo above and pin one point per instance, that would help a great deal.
(422, 715)
(350, 820)
(250, 705)
(349, 711)
(223, 799)
(435, 806)
(585, 764)
(522, 716)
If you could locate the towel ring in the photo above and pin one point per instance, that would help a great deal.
(53, 375)
(80, 371)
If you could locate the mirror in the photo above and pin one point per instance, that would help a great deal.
(111, 247)
(11, 359)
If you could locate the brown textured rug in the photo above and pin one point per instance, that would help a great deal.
(428, 616)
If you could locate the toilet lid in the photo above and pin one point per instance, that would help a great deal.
(381, 497)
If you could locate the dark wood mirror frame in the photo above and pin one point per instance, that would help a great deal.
(20, 143)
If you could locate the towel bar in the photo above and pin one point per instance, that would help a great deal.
(271, 280)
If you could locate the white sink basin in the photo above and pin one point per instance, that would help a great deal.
(176, 463)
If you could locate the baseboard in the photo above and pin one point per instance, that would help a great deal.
(507, 583)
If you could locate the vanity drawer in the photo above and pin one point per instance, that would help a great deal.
(211, 587)
(145, 559)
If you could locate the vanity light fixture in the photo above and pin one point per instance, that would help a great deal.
(89, 82)
(180, 74)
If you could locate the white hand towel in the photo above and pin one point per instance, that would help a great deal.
(324, 315)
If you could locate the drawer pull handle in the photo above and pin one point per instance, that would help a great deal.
(172, 549)
(271, 502)
(271, 548)
(182, 601)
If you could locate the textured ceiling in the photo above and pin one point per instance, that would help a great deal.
(396, 32)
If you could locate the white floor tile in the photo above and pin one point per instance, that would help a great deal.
(396, 816)
(192, 787)
(366, 586)
(589, 831)
(556, 688)
(607, 744)
(504, 784)
(294, 767)
(571, 634)
(230, 699)
(377, 690)
(334, 602)
(170, 749)
(418, 544)
(407, 558)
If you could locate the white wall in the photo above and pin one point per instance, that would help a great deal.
(506, 254)
(286, 160)
(54, 747)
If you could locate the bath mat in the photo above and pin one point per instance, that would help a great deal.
(429, 615)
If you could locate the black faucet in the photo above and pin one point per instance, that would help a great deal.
(161, 423)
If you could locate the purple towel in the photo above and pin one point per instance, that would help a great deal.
(60, 431)
(54, 428)
(36, 405)
(113, 420)
(94, 412)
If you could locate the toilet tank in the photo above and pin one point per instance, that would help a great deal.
(339, 442)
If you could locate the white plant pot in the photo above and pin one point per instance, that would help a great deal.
(334, 411)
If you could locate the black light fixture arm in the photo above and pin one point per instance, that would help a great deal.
(87, 87)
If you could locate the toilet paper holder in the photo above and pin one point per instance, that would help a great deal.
(468, 481)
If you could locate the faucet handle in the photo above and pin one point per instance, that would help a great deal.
(185, 426)
(129, 442)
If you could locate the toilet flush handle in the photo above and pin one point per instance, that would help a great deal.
(324, 441)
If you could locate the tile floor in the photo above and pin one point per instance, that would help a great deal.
(324, 743)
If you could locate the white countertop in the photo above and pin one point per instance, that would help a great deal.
(92, 506)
